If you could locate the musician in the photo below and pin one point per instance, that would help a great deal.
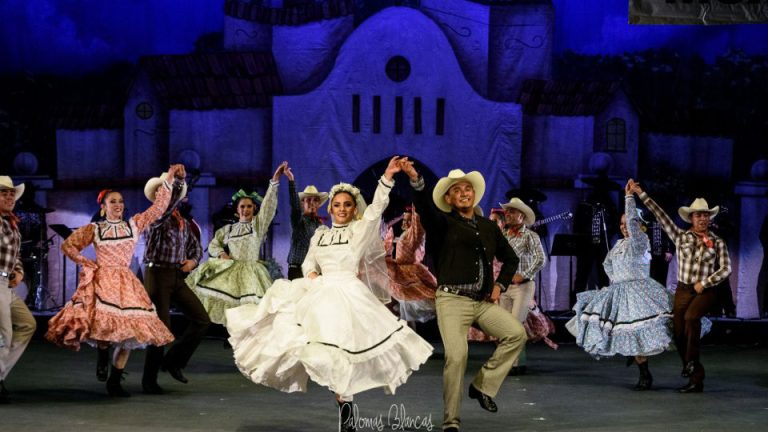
(662, 251)
(596, 216)
(17, 325)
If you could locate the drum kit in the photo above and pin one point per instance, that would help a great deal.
(34, 252)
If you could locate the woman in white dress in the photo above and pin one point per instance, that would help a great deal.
(330, 326)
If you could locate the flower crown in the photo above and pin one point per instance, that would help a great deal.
(344, 187)
(242, 194)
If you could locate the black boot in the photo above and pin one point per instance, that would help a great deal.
(688, 369)
(346, 417)
(114, 387)
(646, 379)
(102, 364)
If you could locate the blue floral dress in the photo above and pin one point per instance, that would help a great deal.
(633, 315)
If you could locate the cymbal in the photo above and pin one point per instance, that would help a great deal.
(527, 194)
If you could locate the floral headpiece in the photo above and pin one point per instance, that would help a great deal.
(255, 197)
(352, 190)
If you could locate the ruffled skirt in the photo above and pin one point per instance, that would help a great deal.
(221, 284)
(630, 318)
(332, 330)
(110, 305)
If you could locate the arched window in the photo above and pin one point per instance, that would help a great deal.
(616, 135)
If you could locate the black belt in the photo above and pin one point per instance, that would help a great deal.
(294, 265)
(471, 294)
(151, 264)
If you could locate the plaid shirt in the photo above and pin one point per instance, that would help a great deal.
(166, 242)
(302, 228)
(528, 248)
(695, 261)
(10, 248)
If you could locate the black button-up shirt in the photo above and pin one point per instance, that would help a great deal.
(460, 246)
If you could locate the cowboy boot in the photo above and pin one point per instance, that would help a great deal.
(102, 364)
(114, 388)
(646, 379)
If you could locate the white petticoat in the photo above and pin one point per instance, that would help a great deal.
(330, 329)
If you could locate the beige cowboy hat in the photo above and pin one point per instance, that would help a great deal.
(7, 183)
(455, 176)
(698, 205)
(518, 204)
(311, 191)
(152, 184)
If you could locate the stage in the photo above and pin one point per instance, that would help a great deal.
(565, 390)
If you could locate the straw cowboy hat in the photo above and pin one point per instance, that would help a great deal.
(152, 184)
(311, 191)
(698, 205)
(455, 176)
(518, 204)
(7, 183)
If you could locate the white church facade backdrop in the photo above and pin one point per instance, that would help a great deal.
(453, 84)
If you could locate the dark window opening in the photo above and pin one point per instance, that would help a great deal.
(417, 115)
(399, 115)
(377, 114)
(398, 69)
(616, 135)
(440, 117)
(355, 113)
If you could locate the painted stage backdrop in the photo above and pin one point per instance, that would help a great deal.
(555, 101)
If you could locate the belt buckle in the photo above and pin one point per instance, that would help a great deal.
(150, 264)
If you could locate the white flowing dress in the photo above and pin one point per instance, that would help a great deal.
(331, 329)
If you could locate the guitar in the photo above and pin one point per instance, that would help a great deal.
(560, 216)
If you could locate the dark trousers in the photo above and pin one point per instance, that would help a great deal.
(294, 272)
(687, 311)
(659, 269)
(166, 285)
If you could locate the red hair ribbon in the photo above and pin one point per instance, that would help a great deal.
(102, 194)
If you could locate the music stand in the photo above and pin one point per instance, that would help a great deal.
(63, 231)
(570, 245)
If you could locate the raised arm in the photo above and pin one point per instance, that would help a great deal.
(293, 199)
(433, 219)
(667, 224)
(268, 208)
(637, 239)
(172, 181)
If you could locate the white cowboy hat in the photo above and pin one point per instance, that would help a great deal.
(311, 191)
(517, 204)
(455, 176)
(698, 205)
(152, 184)
(7, 183)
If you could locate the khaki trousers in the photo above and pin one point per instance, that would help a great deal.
(455, 314)
(17, 326)
(515, 301)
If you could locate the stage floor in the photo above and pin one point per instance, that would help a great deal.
(56, 390)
